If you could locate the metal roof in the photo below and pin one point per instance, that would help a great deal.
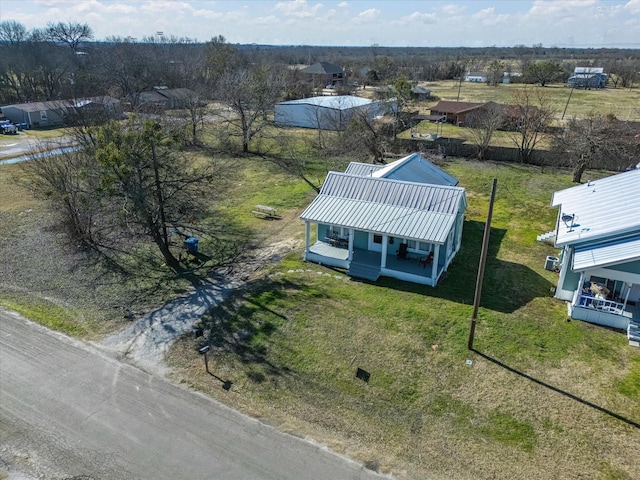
(621, 250)
(322, 68)
(362, 169)
(600, 209)
(338, 102)
(391, 220)
(412, 168)
(416, 168)
(397, 208)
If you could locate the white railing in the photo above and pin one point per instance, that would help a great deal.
(601, 304)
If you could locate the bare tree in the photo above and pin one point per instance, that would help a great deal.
(496, 72)
(598, 140)
(250, 94)
(482, 123)
(70, 33)
(533, 111)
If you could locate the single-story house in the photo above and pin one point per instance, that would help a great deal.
(598, 230)
(329, 113)
(420, 93)
(476, 77)
(57, 113)
(37, 114)
(324, 73)
(587, 77)
(454, 112)
(402, 220)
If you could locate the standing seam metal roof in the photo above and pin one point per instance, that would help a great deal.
(602, 208)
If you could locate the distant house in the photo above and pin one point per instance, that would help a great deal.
(476, 77)
(402, 220)
(324, 73)
(587, 77)
(161, 99)
(420, 93)
(37, 114)
(328, 113)
(454, 112)
(598, 230)
(60, 112)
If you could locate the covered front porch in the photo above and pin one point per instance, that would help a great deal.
(369, 264)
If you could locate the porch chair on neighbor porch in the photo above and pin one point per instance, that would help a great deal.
(402, 251)
(428, 260)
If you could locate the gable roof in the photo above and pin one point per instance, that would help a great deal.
(401, 209)
(613, 252)
(322, 68)
(446, 106)
(601, 208)
(412, 168)
(41, 106)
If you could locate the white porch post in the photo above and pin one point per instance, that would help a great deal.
(383, 260)
(307, 233)
(578, 291)
(350, 244)
(626, 297)
(434, 266)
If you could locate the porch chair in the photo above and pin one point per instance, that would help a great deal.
(428, 260)
(402, 251)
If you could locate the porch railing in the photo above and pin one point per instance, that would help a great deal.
(601, 304)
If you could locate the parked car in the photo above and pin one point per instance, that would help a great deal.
(8, 127)
(330, 87)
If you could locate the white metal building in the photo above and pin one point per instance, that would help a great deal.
(329, 112)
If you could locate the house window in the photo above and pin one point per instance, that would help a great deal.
(340, 232)
(43, 115)
(377, 238)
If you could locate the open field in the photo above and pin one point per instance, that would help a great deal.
(624, 103)
(542, 398)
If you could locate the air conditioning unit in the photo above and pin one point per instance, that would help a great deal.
(552, 264)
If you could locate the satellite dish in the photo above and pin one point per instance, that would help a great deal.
(568, 220)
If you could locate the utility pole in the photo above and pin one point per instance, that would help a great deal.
(483, 261)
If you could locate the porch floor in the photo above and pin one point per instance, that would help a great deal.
(373, 259)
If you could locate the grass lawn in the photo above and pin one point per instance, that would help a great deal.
(541, 398)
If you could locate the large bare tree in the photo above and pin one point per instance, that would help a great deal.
(533, 111)
(598, 140)
(482, 123)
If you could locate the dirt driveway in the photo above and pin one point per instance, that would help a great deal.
(14, 146)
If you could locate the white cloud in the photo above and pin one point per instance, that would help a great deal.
(452, 9)
(369, 15)
(633, 6)
(343, 5)
(420, 17)
(298, 8)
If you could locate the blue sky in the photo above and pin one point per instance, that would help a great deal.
(473, 23)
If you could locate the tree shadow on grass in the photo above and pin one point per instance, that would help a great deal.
(507, 286)
(558, 390)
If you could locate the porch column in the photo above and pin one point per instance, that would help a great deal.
(626, 297)
(385, 243)
(307, 233)
(434, 266)
(578, 292)
(350, 244)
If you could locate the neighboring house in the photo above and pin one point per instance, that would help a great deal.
(328, 113)
(324, 73)
(598, 230)
(161, 99)
(402, 220)
(587, 77)
(420, 93)
(454, 112)
(59, 112)
(37, 114)
(476, 77)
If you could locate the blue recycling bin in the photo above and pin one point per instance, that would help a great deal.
(191, 245)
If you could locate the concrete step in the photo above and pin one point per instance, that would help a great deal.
(367, 272)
